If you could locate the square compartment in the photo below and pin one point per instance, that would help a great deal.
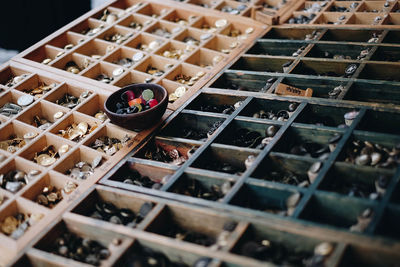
(136, 22)
(95, 105)
(20, 164)
(323, 115)
(49, 180)
(76, 118)
(123, 53)
(17, 129)
(67, 38)
(161, 64)
(82, 154)
(95, 48)
(12, 97)
(82, 62)
(70, 90)
(154, 10)
(43, 110)
(36, 81)
(175, 50)
(205, 58)
(103, 69)
(134, 77)
(43, 142)
(44, 53)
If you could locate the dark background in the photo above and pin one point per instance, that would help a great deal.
(25, 22)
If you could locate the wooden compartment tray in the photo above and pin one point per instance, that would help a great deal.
(132, 41)
(347, 13)
(24, 175)
(205, 237)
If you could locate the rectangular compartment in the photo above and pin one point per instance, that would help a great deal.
(244, 82)
(164, 150)
(277, 241)
(164, 29)
(223, 159)
(202, 186)
(153, 10)
(336, 51)
(187, 225)
(191, 126)
(333, 211)
(355, 181)
(374, 91)
(222, 44)
(48, 244)
(133, 174)
(145, 42)
(89, 27)
(289, 33)
(104, 72)
(392, 37)
(366, 18)
(323, 68)
(67, 40)
(371, 149)
(379, 121)
(214, 103)
(276, 48)
(308, 142)
(255, 63)
(350, 35)
(186, 74)
(322, 115)
(392, 19)
(381, 71)
(266, 199)
(284, 169)
(124, 206)
(321, 87)
(363, 256)
(334, 18)
(117, 35)
(389, 222)
(248, 134)
(257, 106)
(387, 53)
